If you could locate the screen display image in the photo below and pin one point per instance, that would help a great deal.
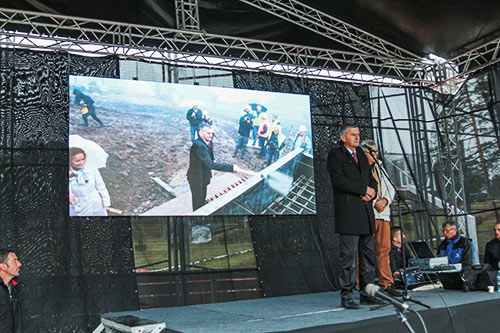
(162, 149)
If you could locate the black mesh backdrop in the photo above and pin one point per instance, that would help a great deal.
(73, 269)
(299, 254)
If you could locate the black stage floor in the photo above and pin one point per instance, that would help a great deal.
(452, 311)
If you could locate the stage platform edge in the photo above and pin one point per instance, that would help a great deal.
(452, 311)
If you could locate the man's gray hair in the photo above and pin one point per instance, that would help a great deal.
(204, 126)
(344, 128)
(452, 225)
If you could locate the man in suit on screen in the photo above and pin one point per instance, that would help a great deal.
(201, 163)
(353, 190)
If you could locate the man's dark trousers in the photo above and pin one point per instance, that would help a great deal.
(349, 244)
(91, 112)
(198, 194)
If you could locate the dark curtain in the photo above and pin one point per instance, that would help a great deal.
(299, 254)
(74, 269)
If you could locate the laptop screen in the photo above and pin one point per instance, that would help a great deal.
(421, 249)
(413, 276)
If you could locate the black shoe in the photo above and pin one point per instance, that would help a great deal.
(391, 290)
(370, 300)
(349, 304)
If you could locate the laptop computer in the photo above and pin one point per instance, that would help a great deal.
(421, 249)
(413, 277)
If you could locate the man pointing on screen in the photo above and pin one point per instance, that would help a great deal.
(201, 162)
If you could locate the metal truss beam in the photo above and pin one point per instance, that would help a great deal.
(24, 29)
(449, 75)
(196, 48)
(451, 157)
(330, 27)
(187, 15)
(452, 73)
(477, 58)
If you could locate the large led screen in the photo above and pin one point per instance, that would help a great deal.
(149, 148)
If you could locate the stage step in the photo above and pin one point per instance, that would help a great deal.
(129, 324)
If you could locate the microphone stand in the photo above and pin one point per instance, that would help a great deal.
(406, 296)
(404, 320)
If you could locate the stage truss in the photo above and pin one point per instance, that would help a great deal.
(372, 61)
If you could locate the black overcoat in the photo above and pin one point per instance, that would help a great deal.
(349, 181)
(11, 317)
(201, 162)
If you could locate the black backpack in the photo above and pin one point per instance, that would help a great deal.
(480, 277)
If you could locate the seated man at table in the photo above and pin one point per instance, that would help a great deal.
(396, 254)
(492, 250)
(458, 249)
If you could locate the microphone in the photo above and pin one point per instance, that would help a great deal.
(375, 291)
(369, 148)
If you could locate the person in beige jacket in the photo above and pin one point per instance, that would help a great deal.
(382, 211)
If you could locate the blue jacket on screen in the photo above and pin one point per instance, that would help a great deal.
(82, 98)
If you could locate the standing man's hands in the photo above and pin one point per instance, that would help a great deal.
(239, 170)
(370, 194)
(380, 204)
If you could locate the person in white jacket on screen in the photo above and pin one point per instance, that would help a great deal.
(88, 195)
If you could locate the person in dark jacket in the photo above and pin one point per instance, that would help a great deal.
(246, 125)
(492, 250)
(201, 162)
(194, 116)
(10, 307)
(275, 144)
(353, 191)
(88, 108)
(396, 254)
(457, 248)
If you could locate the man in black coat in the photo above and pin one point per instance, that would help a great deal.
(201, 162)
(492, 250)
(10, 309)
(353, 190)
